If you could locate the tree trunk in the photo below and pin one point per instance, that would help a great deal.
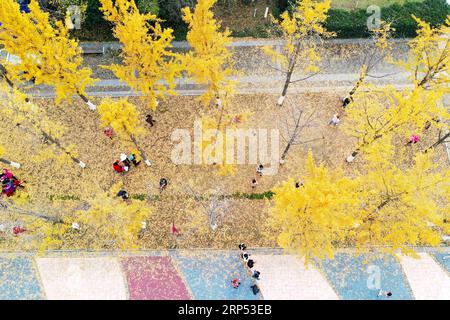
(352, 157)
(3, 74)
(222, 109)
(41, 216)
(91, 106)
(439, 142)
(48, 137)
(10, 163)
(285, 88)
(32, 213)
(286, 150)
(142, 152)
(58, 144)
(291, 69)
(361, 80)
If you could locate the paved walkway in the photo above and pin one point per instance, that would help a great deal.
(196, 274)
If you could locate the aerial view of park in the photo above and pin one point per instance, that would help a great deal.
(225, 150)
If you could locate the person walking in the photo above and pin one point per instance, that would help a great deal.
(413, 139)
(256, 274)
(108, 132)
(149, 120)
(18, 230)
(254, 183)
(245, 256)
(259, 170)
(235, 283)
(242, 246)
(123, 194)
(162, 184)
(255, 289)
(335, 120)
(386, 294)
(346, 101)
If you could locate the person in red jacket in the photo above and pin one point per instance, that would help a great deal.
(18, 230)
(118, 167)
(108, 132)
(235, 283)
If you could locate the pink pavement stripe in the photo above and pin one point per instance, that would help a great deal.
(153, 278)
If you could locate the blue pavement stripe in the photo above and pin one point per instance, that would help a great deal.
(443, 258)
(18, 280)
(355, 280)
(209, 275)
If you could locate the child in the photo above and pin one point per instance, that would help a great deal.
(335, 120)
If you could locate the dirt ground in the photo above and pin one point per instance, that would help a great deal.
(99, 152)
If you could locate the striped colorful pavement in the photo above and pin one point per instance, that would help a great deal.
(201, 275)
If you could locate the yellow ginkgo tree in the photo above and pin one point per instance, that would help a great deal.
(377, 50)
(123, 117)
(102, 221)
(148, 66)
(387, 207)
(32, 120)
(429, 56)
(303, 32)
(379, 114)
(209, 61)
(429, 64)
(46, 52)
(311, 219)
(402, 205)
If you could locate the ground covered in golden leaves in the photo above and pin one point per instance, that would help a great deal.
(241, 219)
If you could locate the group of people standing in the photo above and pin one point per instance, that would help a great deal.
(250, 264)
(9, 183)
(124, 164)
